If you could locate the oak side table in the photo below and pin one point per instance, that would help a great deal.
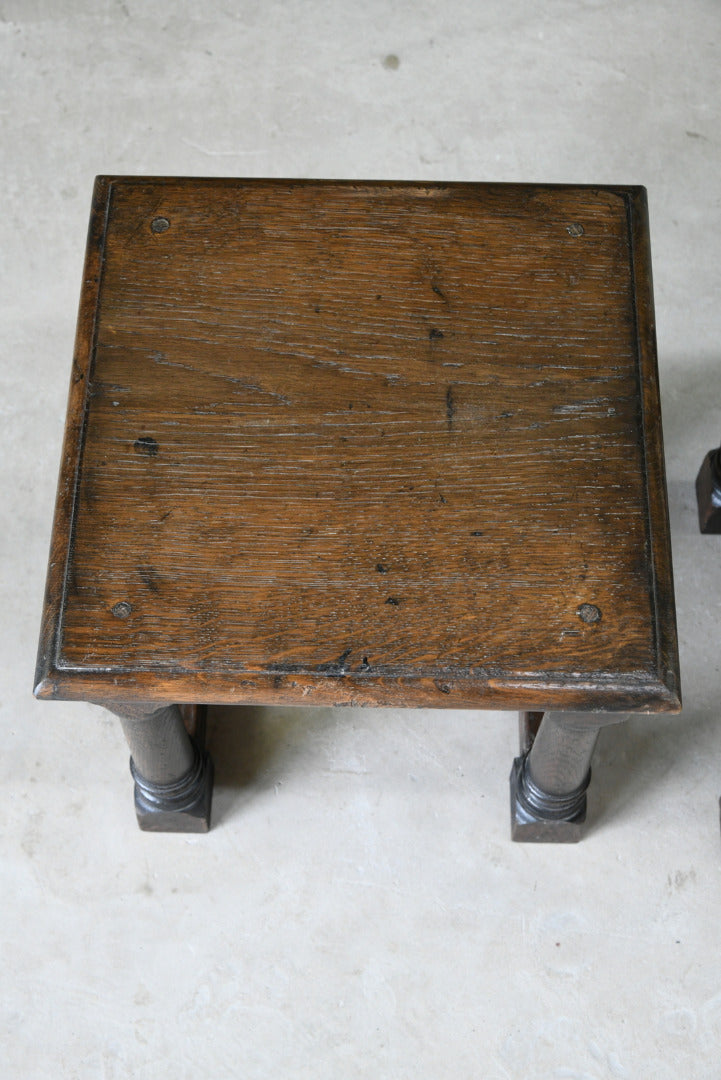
(349, 443)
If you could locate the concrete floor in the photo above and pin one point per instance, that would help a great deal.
(358, 909)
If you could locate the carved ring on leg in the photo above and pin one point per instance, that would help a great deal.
(540, 804)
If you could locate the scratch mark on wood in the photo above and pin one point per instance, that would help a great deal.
(158, 358)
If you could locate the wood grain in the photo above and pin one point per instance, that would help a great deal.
(373, 443)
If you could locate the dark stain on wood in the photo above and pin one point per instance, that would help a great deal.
(146, 445)
(150, 578)
(336, 667)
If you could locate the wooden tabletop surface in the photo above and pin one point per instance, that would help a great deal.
(372, 443)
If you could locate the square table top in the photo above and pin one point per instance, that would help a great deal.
(363, 443)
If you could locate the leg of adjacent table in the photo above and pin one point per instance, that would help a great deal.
(172, 772)
(550, 778)
(708, 493)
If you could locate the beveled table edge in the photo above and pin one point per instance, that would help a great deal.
(584, 692)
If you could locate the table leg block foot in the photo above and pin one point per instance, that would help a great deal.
(183, 807)
(529, 827)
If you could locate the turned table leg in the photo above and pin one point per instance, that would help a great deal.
(550, 778)
(173, 773)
